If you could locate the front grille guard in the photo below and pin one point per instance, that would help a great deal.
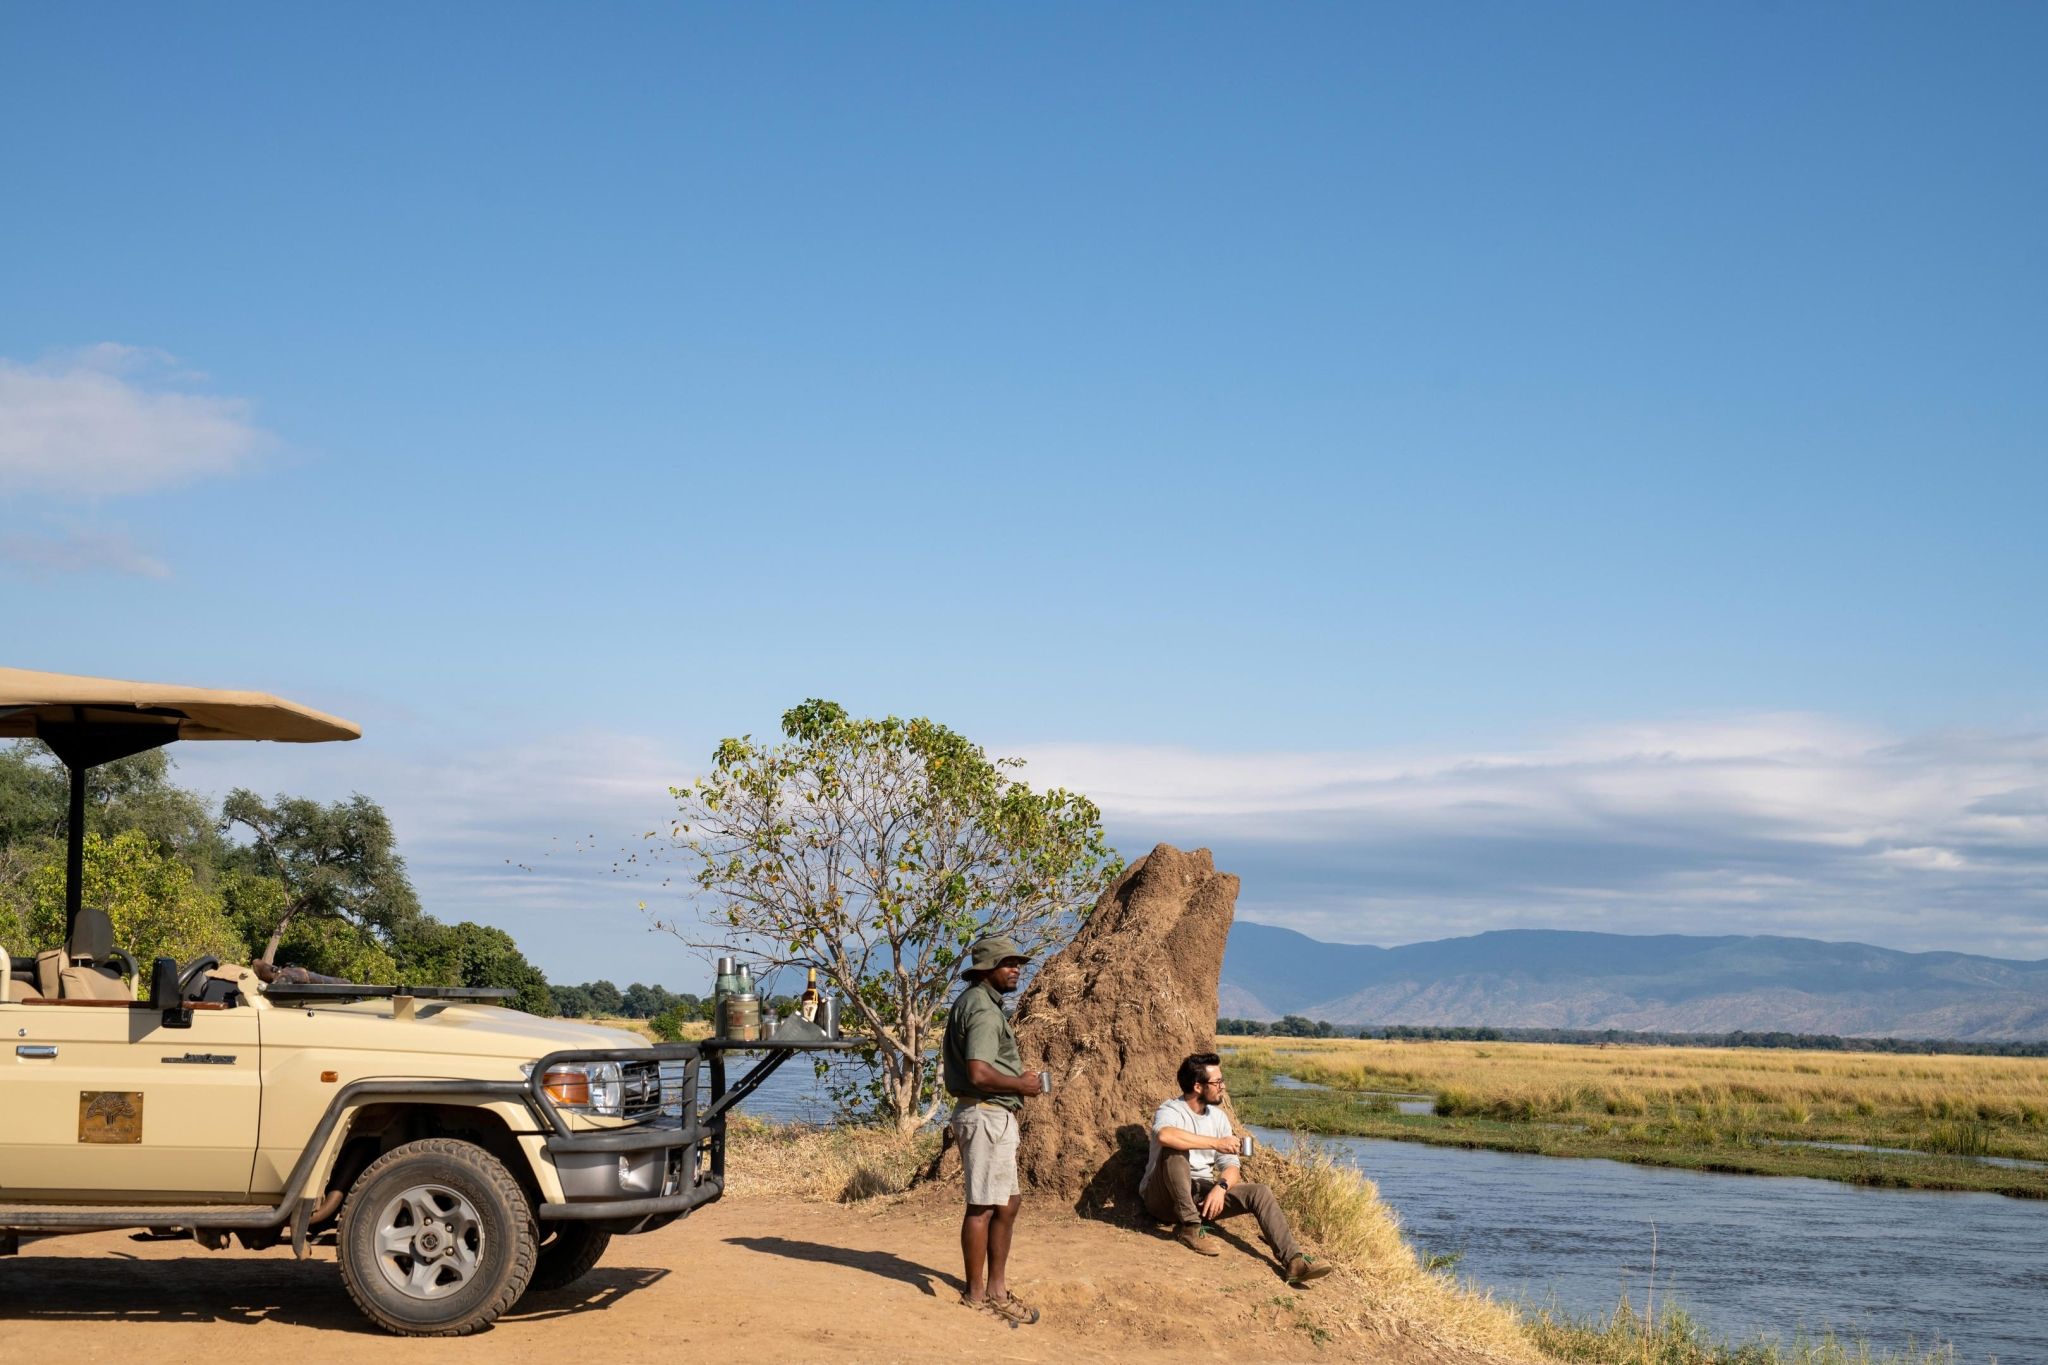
(701, 1132)
(677, 1119)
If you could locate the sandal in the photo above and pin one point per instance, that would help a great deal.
(1013, 1310)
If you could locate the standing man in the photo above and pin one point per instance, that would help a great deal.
(1192, 1174)
(985, 1075)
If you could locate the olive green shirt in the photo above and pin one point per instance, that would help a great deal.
(977, 1030)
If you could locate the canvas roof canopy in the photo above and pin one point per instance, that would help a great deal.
(31, 702)
(90, 721)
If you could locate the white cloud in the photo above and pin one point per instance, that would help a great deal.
(114, 420)
(1791, 824)
(542, 838)
(79, 551)
(1774, 824)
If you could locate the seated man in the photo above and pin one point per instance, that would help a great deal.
(1193, 1174)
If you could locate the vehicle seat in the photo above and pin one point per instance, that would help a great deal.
(17, 979)
(80, 975)
(48, 965)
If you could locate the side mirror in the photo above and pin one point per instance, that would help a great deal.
(165, 994)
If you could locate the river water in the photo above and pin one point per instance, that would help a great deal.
(1745, 1255)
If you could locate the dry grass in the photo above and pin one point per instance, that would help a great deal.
(799, 1161)
(1381, 1287)
(639, 1026)
(694, 1031)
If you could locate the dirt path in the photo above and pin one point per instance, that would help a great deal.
(744, 1279)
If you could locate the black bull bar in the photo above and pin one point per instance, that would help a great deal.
(696, 1137)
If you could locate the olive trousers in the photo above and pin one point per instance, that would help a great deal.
(1172, 1194)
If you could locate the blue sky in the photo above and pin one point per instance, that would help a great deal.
(1264, 419)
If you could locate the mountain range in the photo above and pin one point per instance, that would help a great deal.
(1543, 978)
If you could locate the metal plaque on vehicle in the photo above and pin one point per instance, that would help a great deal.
(110, 1116)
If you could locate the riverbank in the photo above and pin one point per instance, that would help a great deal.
(816, 1254)
(1389, 1300)
(746, 1278)
(1383, 1302)
(1951, 1123)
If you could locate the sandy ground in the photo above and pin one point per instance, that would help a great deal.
(743, 1279)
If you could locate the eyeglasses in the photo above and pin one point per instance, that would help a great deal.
(1218, 1081)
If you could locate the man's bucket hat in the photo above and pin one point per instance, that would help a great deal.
(987, 953)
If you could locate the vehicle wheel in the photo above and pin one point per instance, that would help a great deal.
(567, 1256)
(436, 1239)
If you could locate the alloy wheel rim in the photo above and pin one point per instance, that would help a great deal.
(430, 1242)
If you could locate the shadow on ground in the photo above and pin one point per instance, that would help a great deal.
(199, 1290)
(594, 1293)
(890, 1267)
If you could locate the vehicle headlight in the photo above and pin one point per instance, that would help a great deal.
(588, 1087)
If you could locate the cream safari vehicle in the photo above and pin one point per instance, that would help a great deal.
(463, 1153)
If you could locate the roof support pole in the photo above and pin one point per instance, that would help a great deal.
(74, 853)
(81, 745)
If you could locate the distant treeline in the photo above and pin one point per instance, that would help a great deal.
(603, 1000)
(1295, 1026)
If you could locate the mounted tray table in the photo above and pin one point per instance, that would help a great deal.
(779, 1049)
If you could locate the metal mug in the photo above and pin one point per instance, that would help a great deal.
(828, 1015)
(1045, 1082)
(1246, 1144)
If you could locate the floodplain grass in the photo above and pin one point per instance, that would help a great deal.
(1626, 1337)
(1748, 1110)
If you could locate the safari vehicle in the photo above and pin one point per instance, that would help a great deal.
(463, 1153)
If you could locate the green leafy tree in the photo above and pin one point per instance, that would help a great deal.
(158, 907)
(334, 860)
(644, 1002)
(33, 798)
(571, 1002)
(876, 850)
(318, 885)
(470, 954)
(18, 864)
(134, 793)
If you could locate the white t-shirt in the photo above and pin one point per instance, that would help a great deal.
(1211, 1122)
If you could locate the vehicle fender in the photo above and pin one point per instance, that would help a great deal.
(512, 1114)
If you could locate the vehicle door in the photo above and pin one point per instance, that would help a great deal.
(103, 1100)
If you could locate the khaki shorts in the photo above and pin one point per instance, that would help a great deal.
(988, 1152)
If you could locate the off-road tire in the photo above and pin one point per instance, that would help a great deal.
(503, 1261)
(567, 1256)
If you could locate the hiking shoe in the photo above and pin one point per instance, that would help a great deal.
(1195, 1237)
(1302, 1269)
(1012, 1310)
